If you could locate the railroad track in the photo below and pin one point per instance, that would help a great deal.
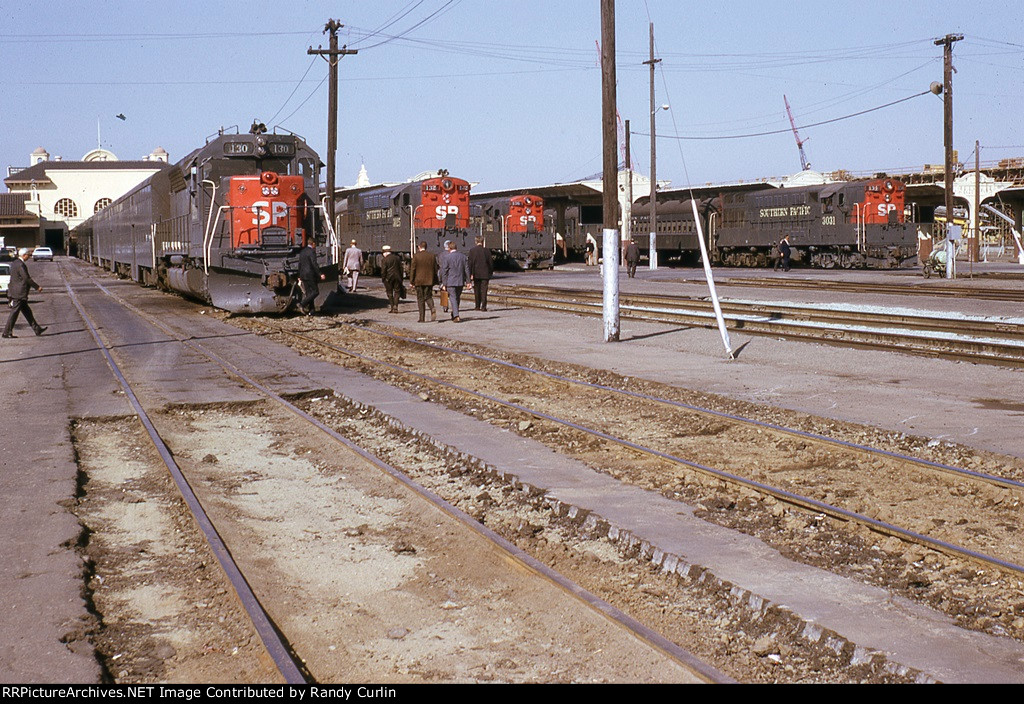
(965, 338)
(903, 463)
(287, 653)
(933, 289)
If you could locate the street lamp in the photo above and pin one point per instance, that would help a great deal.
(653, 240)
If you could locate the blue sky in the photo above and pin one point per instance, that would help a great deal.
(508, 94)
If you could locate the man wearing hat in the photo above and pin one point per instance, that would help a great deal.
(352, 264)
(454, 275)
(632, 258)
(309, 277)
(17, 294)
(391, 274)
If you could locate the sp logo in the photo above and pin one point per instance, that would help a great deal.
(267, 212)
(445, 210)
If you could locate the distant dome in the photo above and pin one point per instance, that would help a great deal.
(38, 156)
(158, 154)
(363, 179)
(99, 155)
(805, 178)
(40, 150)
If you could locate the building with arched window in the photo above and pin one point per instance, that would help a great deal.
(63, 194)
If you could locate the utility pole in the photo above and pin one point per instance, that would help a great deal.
(947, 131)
(627, 214)
(975, 248)
(332, 56)
(610, 187)
(652, 255)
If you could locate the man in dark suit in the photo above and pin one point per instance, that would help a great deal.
(784, 253)
(309, 277)
(423, 275)
(481, 269)
(632, 258)
(454, 275)
(17, 294)
(391, 274)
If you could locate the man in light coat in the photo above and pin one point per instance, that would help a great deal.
(353, 263)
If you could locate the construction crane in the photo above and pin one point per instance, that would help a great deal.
(805, 165)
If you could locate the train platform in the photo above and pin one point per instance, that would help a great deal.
(50, 381)
(946, 401)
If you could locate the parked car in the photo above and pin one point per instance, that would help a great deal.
(5, 278)
(40, 253)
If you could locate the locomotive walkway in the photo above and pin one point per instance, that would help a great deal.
(49, 380)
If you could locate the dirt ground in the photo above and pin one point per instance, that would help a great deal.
(366, 583)
(371, 588)
(961, 511)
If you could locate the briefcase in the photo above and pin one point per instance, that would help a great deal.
(444, 299)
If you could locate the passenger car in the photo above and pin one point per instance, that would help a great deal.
(40, 253)
(5, 277)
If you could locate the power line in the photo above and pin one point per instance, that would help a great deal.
(782, 131)
(96, 38)
(436, 13)
(390, 21)
(296, 88)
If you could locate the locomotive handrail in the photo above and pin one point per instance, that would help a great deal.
(332, 237)
(862, 229)
(208, 240)
(208, 235)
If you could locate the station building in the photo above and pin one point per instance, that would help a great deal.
(50, 197)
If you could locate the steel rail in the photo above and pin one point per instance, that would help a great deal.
(960, 472)
(776, 492)
(277, 647)
(981, 350)
(916, 289)
(641, 631)
(981, 327)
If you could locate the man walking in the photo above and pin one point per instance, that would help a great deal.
(423, 275)
(353, 264)
(481, 269)
(309, 277)
(454, 275)
(17, 294)
(391, 274)
(784, 253)
(632, 258)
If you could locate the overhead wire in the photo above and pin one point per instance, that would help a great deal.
(421, 23)
(436, 13)
(788, 129)
(294, 90)
(390, 21)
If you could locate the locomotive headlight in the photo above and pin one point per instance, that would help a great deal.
(261, 145)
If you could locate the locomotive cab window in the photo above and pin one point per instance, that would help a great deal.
(307, 169)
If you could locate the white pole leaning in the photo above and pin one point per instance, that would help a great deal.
(711, 282)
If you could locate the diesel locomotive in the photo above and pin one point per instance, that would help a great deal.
(224, 225)
(514, 229)
(433, 210)
(850, 224)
